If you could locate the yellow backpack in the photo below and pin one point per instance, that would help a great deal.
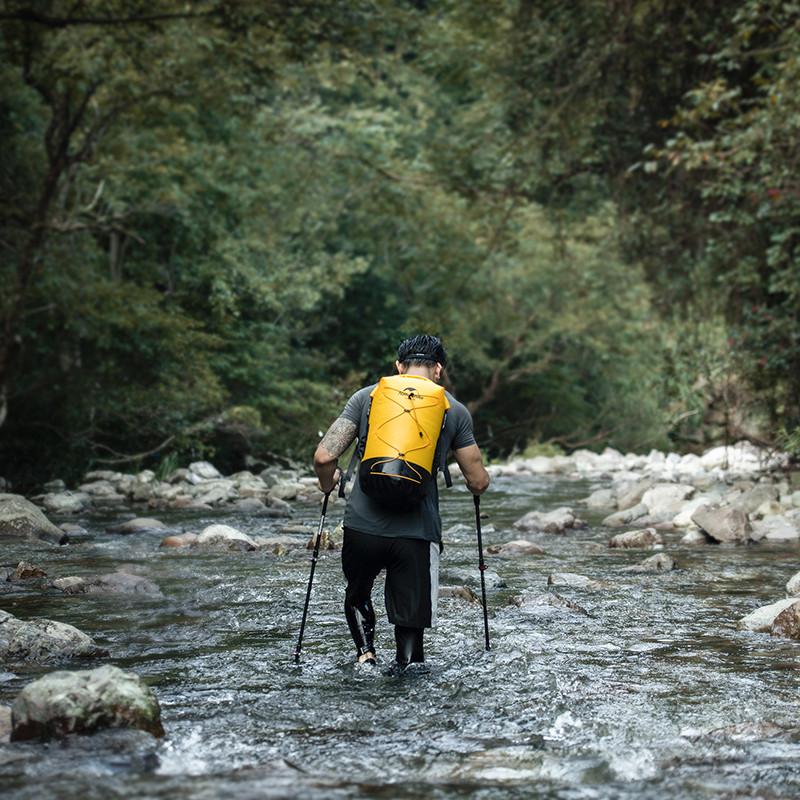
(399, 449)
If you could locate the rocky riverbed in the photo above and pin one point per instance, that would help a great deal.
(631, 602)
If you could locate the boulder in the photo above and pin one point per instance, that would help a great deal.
(216, 492)
(25, 571)
(625, 517)
(557, 521)
(646, 537)
(517, 547)
(546, 604)
(793, 585)
(21, 519)
(328, 540)
(70, 528)
(683, 519)
(787, 623)
(601, 498)
(119, 582)
(5, 723)
(225, 536)
(66, 502)
(179, 540)
(200, 471)
(100, 490)
(43, 641)
(285, 491)
(630, 494)
(279, 545)
(251, 506)
(762, 618)
(754, 497)
(471, 578)
(723, 523)
(70, 585)
(53, 486)
(660, 562)
(575, 581)
(138, 525)
(62, 703)
(696, 536)
(775, 529)
(460, 593)
(665, 500)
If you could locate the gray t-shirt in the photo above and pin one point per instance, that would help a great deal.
(421, 522)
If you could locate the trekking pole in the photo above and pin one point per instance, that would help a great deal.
(314, 559)
(482, 568)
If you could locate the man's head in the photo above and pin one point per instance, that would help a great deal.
(423, 355)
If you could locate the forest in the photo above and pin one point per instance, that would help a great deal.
(217, 220)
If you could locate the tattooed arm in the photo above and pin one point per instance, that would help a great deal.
(339, 437)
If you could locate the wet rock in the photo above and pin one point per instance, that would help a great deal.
(25, 571)
(762, 618)
(252, 488)
(575, 581)
(66, 502)
(460, 593)
(793, 585)
(683, 519)
(251, 506)
(546, 604)
(625, 517)
(601, 499)
(665, 500)
(5, 723)
(630, 494)
(278, 507)
(180, 475)
(471, 578)
(752, 498)
(517, 547)
(21, 519)
(200, 471)
(62, 703)
(53, 486)
(43, 641)
(660, 562)
(179, 540)
(556, 521)
(285, 491)
(328, 540)
(775, 529)
(723, 524)
(214, 493)
(226, 537)
(279, 545)
(100, 490)
(646, 537)
(121, 582)
(138, 525)
(696, 536)
(70, 528)
(70, 585)
(787, 623)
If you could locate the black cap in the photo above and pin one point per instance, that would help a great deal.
(422, 348)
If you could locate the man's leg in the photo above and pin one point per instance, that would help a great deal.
(361, 563)
(412, 588)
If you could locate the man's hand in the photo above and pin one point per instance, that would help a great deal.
(470, 463)
(336, 477)
(337, 439)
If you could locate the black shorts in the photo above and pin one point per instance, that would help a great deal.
(412, 575)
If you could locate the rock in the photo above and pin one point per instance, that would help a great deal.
(683, 519)
(285, 491)
(796, 499)
(5, 723)
(787, 623)
(215, 492)
(793, 585)
(625, 517)
(225, 536)
(70, 585)
(200, 471)
(54, 486)
(138, 525)
(546, 604)
(575, 581)
(179, 540)
(660, 562)
(83, 702)
(775, 529)
(100, 490)
(723, 524)
(630, 494)
(70, 528)
(251, 506)
(328, 540)
(179, 476)
(696, 537)
(103, 475)
(21, 519)
(601, 498)
(26, 571)
(121, 582)
(471, 578)
(762, 618)
(556, 521)
(517, 547)
(666, 499)
(66, 502)
(278, 507)
(460, 593)
(646, 537)
(43, 641)
(279, 545)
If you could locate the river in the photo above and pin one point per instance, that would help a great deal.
(655, 694)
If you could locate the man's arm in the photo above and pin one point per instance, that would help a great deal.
(337, 439)
(470, 463)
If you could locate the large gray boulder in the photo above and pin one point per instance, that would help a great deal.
(646, 537)
(21, 519)
(762, 618)
(62, 703)
(724, 524)
(43, 641)
(224, 536)
(557, 521)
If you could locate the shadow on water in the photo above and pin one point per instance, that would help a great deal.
(653, 694)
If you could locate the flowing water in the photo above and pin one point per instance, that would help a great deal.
(655, 694)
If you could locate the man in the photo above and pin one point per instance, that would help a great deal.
(404, 541)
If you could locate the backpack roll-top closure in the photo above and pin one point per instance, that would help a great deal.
(405, 420)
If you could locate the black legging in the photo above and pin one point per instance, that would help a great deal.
(360, 618)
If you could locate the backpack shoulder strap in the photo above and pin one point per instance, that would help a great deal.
(358, 452)
(441, 459)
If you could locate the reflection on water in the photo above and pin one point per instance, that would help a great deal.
(654, 694)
